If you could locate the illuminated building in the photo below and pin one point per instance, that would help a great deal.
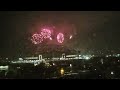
(33, 60)
(4, 68)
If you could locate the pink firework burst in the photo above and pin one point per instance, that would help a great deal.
(60, 37)
(46, 33)
(37, 38)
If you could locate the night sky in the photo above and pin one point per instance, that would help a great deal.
(93, 29)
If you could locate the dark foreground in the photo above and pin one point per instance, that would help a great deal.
(95, 68)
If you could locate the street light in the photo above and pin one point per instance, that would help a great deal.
(62, 71)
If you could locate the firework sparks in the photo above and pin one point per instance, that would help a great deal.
(37, 38)
(60, 37)
(46, 33)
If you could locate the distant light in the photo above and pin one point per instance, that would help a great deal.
(62, 71)
(53, 64)
(102, 61)
(87, 58)
(70, 36)
(35, 64)
(18, 67)
(30, 58)
(112, 73)
(118, 55)
(70, 65)
(118, 60)
(95, 69)
(20, 58)
(106, 55)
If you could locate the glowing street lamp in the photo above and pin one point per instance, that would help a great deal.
(62, 71)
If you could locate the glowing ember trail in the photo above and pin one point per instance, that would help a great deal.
(70, 36)
(60, 38)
